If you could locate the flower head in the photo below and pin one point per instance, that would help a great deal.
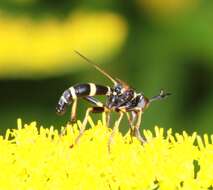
(41, 158)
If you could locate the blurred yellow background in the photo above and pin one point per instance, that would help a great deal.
(150, 44)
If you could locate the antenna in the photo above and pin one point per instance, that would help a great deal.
(97, 67)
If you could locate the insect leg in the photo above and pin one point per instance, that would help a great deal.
(94, 101)
(72, 117)
(84, 124)
(115, 128)
(131, 121)
(73, 111)
(89, 110)
(99, 104)
(107, 118)
(137, 127)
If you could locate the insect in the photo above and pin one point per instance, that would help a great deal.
(120, 98)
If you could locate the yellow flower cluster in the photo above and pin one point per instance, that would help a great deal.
(168, 8)
(46, 46)
(33, 158)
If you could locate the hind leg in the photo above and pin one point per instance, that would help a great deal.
(99, 104)
(72, 116)
(89, 110)
(73, 111)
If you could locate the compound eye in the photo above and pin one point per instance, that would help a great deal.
(118, 89)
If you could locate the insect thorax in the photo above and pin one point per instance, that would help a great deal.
(120, 96)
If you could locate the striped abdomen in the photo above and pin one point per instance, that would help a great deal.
(78, 91)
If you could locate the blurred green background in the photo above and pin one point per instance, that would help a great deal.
(150, 44)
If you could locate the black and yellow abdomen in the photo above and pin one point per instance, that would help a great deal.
(80, 91)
